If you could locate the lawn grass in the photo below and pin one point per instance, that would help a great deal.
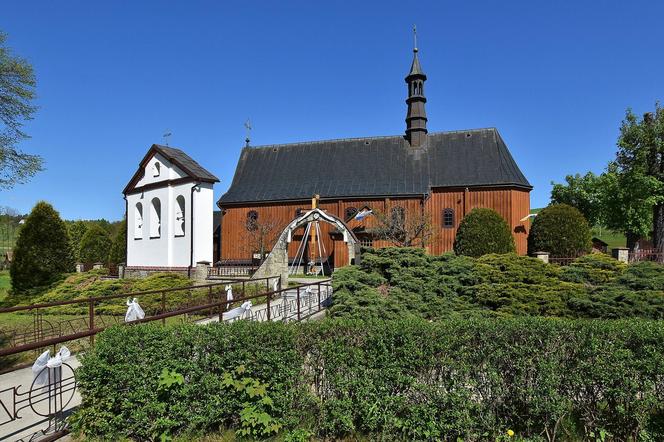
(5, 284)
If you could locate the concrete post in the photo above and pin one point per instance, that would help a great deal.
(79, 267)
(97, 266)
(621, 254)
(543, 256)
(121, 270)
(201, 271)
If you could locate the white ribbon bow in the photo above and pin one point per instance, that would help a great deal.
(44, 360)
(229, 292)
(134, 311)
(275, 285)
(237, 312)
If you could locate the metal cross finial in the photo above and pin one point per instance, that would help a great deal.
(166, 135)
(414, 38)
(247, 125)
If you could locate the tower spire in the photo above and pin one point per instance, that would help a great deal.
(416, 118)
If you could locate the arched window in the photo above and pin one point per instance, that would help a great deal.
(138, 221)
(179, 216)
(350, 213)
(252, 220)
(298, 212)
(156, 169)
(448, 218)
(155, 218)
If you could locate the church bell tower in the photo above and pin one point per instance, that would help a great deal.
(416, 118)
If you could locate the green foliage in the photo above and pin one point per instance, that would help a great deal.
(560, 230)
(595, 269)
(95, 245)
(255, 419)
(17, 90)
(582, 192)
(76, 231)
(118, 253)
(394, 283)
(386, 380)
(483, 231)
(43, 251)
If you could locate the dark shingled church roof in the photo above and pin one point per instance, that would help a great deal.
(373, 167)
(185, 162)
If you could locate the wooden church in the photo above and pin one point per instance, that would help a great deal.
(441, 174)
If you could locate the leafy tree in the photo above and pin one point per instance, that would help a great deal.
(17, 90)
(627, 200)
(43, 250)
(403, 228)
(583, 192)
(76, 231)
(640, 157)
(560, 230)
(118, 253)
(483, 231)
(95, 244)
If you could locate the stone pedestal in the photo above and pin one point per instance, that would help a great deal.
(79, 267)
(121, 270)
(621, 254)
(97, 266)
(201, 270)
(543, 256)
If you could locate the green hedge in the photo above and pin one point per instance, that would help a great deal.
(397, 283)
(408, 379)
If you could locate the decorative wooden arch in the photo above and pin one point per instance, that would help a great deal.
(276, 262)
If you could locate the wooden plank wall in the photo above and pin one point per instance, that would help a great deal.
(511, 204)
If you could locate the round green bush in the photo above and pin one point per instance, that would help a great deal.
(95, 245)
(560, 230)
(483, 231)
(43, 251)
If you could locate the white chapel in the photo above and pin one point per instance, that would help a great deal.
(169, 212)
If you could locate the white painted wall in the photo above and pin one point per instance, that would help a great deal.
(170, 249)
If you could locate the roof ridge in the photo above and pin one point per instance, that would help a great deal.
(376, 137)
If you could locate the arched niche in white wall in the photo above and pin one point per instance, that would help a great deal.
(138, 221)
(155, 218)
(179, 223)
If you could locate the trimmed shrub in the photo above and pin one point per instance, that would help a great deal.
(383, 380)
(595, 269)
(483, 231)
(42, 252)
(95, 245)
(398, 283)
(118, 253)
(560, 230)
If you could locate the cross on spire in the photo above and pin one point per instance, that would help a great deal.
(414, 38)
(247, 126)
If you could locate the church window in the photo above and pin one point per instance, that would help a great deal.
(398, 216)
(350, 213)
(252, 220)
(155, 218)
(156, 169)
(179, 216)
(448, 218)
(138, 221)
(298, 212)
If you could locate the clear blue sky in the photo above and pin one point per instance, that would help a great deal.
(553, 77)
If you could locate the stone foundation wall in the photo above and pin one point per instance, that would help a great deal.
(144, 272)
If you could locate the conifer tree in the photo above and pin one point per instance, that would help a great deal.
(43, 250)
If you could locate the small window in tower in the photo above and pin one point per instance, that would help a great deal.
(155, 218)
(252, 220)
(156, 169)
(350, 213)
(298, 212)
(448, 218)
(138, 221)
(179, 216)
